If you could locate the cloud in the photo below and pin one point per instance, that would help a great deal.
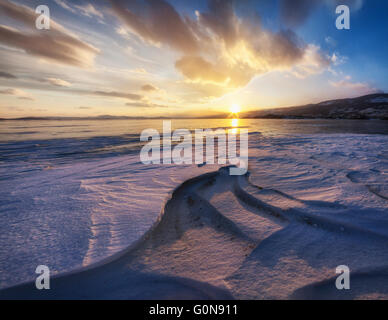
(64, 5)
(26, 98)
(58, 82)
(218, 49)
(312, 62)
(330, 41)
(7, 75)
(13, 108)
(360, 87)
(20, 94)
(139, 71)
(9, 91)
(199, 70)
(90, 11)
(115, 94)
(149, 88)
(238, 50)
(337, 59)
(87, 10)
(144, 105)
(157, 22)
(57, 44)
(221, 19)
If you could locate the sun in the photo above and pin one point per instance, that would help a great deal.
(235, 108)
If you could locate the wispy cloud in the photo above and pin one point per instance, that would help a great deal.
(58, 82)
(56, 44)
(359, 87)
(115, 94)
(7, 75)
(330, 41)
(149, 88)
(20, 94)
(145, 105)
(90, 11)
(87, 9)
(64, 5)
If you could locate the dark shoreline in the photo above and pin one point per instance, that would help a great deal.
(178, 118)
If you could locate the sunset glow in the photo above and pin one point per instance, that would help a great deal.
(180, 58)
(207, 150)
(235, 109)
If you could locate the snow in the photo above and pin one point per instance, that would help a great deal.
(308, 204)
(326, 103)
(97, 209)
(379, 100)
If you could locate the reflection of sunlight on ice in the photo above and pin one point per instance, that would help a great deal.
(234, 125)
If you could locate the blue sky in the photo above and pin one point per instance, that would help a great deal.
(160, 57)
(364, 44)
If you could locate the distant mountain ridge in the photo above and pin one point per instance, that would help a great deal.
(111, 117)
(372, 106)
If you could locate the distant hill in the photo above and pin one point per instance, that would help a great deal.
(110, 117)
(373, 106)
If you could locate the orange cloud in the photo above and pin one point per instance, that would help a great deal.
(149, 88)
(219, 48)
(198, 69)
(58, 82)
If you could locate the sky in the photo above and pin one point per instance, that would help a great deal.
(186, 58)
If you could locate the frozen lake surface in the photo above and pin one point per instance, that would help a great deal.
(75, 193)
